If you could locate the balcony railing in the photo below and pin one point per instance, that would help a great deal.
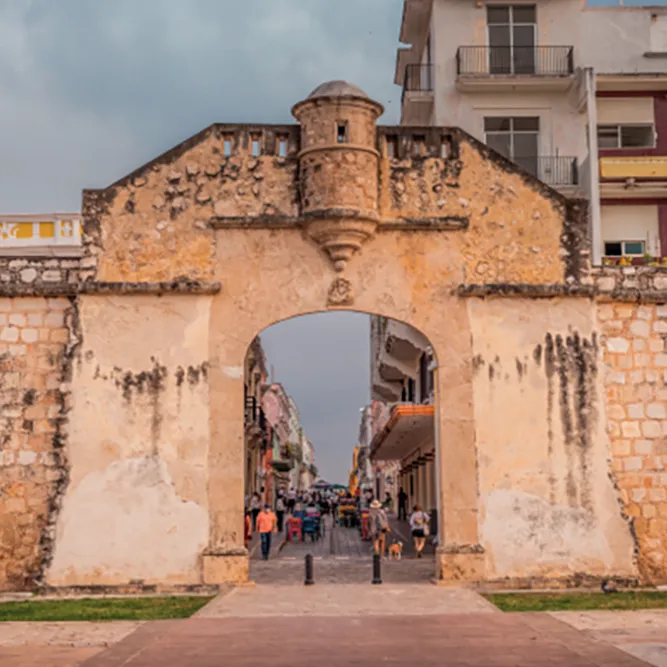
(515, 60)
(254, 415)
(552, 170)
(418, 79)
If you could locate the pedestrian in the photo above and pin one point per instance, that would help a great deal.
(280, 511)
(291, 500)
(266, 526)
(247, 528)
(334, 508)
(402, 504)
(420, 529)
(255, 507)
(379, 527)
(388, 501)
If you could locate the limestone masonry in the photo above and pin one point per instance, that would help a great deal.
(121, 369)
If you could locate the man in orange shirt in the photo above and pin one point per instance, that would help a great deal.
(266, 525)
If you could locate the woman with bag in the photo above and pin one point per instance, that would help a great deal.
(419, 521)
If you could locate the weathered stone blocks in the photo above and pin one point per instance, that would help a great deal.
(32, 408)
(639, 446)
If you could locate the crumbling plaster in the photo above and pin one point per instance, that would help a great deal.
(136, 505)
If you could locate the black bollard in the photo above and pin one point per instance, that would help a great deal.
(309, 570)
(377, 573)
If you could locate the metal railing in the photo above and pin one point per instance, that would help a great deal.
(515, 60)
(418, 79)
(552, 170)
(254, 415)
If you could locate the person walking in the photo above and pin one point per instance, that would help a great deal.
(280, 511)
(266, 526)
(402, 504)
(379, 527)
(333, 508)
(291, 500)
(255, 507)
(420, 529)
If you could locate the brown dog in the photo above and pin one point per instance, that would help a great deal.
(395, 550)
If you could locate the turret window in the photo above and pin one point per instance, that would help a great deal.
(341, 133)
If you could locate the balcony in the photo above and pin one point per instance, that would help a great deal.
(417, 99)
(556, 171)
(529, 68)
(40, 235)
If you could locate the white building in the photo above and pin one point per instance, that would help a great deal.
(549, 83)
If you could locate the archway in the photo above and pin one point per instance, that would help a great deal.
(281, 276)
(305, 379)
(266, 223)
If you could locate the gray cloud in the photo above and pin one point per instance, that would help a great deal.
(91, 89)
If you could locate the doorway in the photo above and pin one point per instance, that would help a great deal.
(343, 419)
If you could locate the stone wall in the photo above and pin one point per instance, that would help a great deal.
(154, 224)
(37, 343)
(28, 274)
(135, 508)
(635, 355)
(548, 508)
(631, 282)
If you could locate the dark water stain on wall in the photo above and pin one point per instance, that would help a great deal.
(564, 371)
(573, 361)
(550, 370)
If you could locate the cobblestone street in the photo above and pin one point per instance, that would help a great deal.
(340, 556)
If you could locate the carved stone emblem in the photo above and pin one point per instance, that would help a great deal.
(340, 293)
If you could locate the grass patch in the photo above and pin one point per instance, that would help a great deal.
(578, 601)
(103, 609)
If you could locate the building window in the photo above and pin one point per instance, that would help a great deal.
(341, 133)
(626, 136)
(512, 38)
(624, 248)
(516, 138)
(408, 393)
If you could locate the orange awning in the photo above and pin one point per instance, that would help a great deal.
(410, 427)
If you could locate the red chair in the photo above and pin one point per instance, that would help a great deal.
(294, 528)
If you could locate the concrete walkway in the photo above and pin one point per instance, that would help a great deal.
(226, 633)
(471, 640)
(341, 600)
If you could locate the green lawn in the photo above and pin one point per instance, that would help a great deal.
(578, 601)
(102, 609)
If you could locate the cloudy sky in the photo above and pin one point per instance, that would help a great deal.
(90, 89)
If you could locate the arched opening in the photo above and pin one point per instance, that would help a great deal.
(339, 416)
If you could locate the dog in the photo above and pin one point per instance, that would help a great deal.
(395, 550)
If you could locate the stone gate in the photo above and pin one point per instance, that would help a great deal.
(121, 461)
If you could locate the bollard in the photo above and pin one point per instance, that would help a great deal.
(377, 574)
(309, 570)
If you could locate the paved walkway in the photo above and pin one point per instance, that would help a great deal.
(439, 626)
(345, 600)
(341, 556)
(472, 640)
(640, 633)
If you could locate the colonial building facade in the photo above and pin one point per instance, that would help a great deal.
(573, 94)
(122, 369)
